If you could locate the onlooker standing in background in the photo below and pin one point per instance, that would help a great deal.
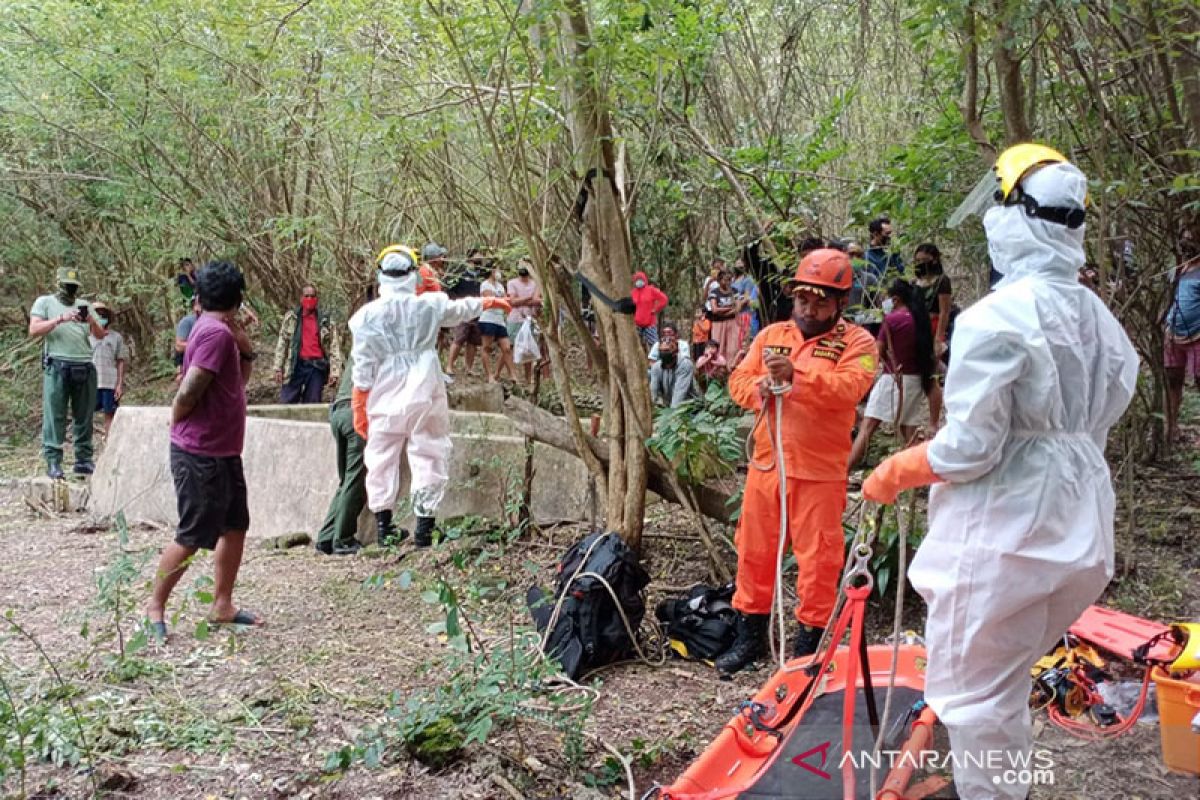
(648, 300)
(1181, 355)
(183, 329)
(906, 352)
(109, 356)
(710, 280)
(492, 329)
(525, 297)
(723, 306)
(745, 286)
(880, 259)
(467, 336)
(937, 291)
(701, 332)
(433, 268)
(338, 533)
(883, 265)
(186, 279)
(68, 377)
(308, 352)
(208, 426)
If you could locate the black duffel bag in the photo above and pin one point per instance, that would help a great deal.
(596, 574)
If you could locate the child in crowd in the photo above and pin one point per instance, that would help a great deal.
(712, 364)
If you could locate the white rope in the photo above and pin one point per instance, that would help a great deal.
(897, 620)
(781, 467)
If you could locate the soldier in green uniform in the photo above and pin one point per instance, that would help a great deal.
(64, 321)
(337, 535)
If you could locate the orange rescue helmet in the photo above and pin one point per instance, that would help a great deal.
(823, 269)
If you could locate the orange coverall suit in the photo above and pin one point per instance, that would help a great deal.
(832, 374)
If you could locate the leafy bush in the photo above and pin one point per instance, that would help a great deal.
(700, 437)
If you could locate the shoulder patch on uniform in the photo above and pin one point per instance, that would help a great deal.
(867, 362)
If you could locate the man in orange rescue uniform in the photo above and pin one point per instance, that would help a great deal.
(829, 364)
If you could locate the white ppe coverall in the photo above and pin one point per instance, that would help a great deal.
(395, 359)
(1021, 533)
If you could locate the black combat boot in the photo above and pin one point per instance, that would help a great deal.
(749, 646)
(423, 536)
(806, 641)
(386, 532)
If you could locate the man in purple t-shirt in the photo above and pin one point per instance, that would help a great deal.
(208, 425)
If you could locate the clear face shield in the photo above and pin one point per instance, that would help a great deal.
(977, 202)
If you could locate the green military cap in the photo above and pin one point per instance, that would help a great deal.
(69, 275)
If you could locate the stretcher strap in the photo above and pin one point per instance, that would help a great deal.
(868, 688)
(857, 597)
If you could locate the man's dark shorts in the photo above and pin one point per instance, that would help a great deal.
(106, 401)
(467, 333)
(210, 493)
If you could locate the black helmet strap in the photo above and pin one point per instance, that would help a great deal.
(1060, 215)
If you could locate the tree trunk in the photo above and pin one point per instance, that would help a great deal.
(605, 259)
(970, 103)
(1008, 74)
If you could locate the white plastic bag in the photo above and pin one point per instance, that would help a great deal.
(525, 346)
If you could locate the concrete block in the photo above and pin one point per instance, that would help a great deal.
(291, 472)
(308, 412)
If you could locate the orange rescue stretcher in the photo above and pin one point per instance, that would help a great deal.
(791, 739)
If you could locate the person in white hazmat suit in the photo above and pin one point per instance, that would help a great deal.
(399, 397)
(1021, 520)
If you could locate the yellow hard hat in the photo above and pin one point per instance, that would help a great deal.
(405, 262)
(1019, 159)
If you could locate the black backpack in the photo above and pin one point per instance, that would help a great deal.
(700, 625)
(589, 631)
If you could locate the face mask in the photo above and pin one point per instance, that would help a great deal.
(888, 305)
(103, 322)
(308, 303)
(640, 284)
(68, 290)
(523, 273)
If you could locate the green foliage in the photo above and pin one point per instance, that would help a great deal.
(700, 437)
(482, 691)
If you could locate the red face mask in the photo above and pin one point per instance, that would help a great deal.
(308, 303)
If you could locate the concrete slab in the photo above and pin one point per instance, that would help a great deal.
(291, 472)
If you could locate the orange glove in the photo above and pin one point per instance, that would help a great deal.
(907, 469)
(358, 405)
(496, 302)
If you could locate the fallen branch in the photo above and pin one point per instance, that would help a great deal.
(544, 427)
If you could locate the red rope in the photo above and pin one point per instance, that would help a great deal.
(1084, 730)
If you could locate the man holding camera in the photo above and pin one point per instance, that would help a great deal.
(63, 322)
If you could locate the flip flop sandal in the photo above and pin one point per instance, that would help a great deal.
(240, 617)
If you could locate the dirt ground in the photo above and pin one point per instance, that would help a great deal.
(256, 713)
(263, 713)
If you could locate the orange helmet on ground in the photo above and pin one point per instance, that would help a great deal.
(823, 269)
